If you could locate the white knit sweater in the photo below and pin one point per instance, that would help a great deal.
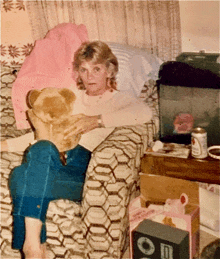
(116, 108)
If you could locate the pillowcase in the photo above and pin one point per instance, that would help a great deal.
(209, 209)
(136, 66)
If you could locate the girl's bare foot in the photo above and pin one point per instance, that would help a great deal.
(44, 250)
(34, 252)
(32, 248)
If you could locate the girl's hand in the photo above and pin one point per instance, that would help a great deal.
(81, 124)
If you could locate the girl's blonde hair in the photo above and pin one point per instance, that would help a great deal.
(97, 52)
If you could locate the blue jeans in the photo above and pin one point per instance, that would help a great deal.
(42, 178)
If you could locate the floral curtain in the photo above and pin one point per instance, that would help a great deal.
(154, 25)
(16, 38)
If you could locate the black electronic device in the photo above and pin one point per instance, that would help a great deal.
(202, 60)
(152, 240)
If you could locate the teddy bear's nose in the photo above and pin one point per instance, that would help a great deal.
(52, 114)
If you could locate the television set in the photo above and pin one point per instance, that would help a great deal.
(189, 97)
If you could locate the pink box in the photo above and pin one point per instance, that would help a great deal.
(158, 189)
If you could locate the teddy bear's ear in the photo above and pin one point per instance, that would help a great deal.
(32, 97)
(67, 94)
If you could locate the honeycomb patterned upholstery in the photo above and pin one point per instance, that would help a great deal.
(97, 228)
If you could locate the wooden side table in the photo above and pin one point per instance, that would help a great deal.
(203, 170)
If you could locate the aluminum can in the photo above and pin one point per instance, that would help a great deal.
(199, 143)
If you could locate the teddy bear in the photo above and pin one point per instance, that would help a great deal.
(49, 114)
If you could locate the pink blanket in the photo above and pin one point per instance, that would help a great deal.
(48, 65)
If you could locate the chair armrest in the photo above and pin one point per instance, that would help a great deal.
(112, 180)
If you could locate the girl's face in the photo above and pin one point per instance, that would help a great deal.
(94, 77)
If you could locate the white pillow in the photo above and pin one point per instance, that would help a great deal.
(209, 209)
(136, 66)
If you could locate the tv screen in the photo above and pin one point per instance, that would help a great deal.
(183, 108)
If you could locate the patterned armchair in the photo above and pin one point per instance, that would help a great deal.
(97, 228)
